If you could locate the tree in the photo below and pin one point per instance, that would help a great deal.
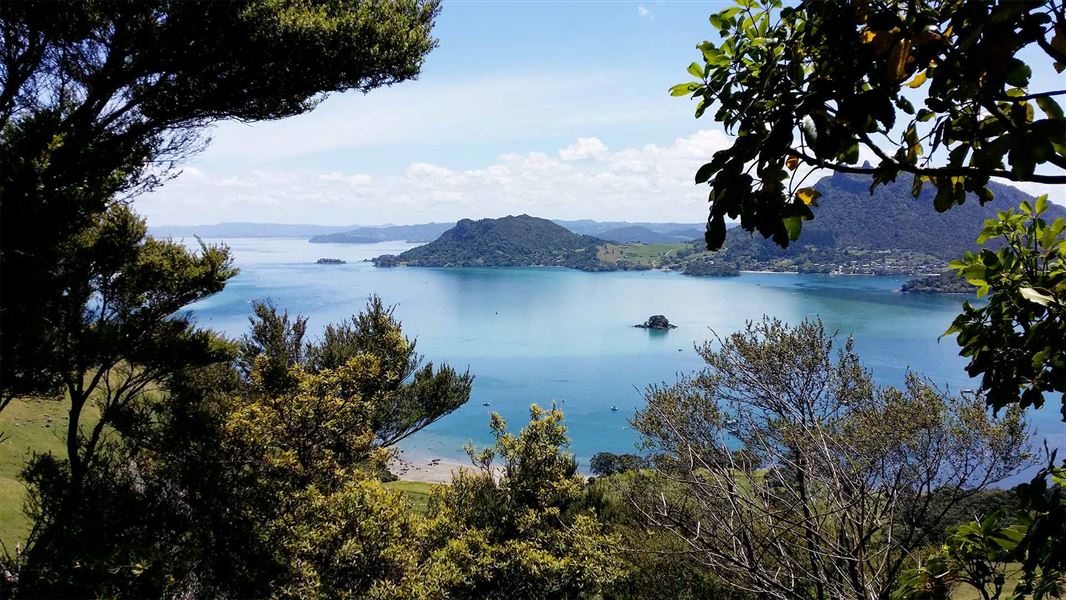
(121, 340)
(222, 485)
(1015, 341)
(607, 463)
(99, 101)
(516, 530)
(840, 482)
(1000, 559)
(815, 85)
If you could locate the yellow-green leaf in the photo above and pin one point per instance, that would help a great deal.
(808, 196)
(684, 89)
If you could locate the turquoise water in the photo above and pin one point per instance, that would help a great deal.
(544, 334)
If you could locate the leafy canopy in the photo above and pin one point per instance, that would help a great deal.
(837, 475)
(938, 89)
(100, 99)
(1015, 342)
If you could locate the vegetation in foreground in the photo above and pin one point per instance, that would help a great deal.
(254, 469)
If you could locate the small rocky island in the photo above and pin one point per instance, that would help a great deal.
(657, 322)
(944, 283)
(329, 261)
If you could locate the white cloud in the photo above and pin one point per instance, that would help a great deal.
(653, 182)
(589, 147)
(1055, 193)
(644, 11)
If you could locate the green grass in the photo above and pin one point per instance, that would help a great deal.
(27, 426)
(417, 492)
(638, 254)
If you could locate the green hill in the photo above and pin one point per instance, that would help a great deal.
(887, 232)
(521, 241)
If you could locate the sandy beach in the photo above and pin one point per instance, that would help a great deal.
(413, 467)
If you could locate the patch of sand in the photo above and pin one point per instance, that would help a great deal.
(411, 467)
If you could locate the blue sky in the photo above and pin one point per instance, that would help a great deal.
(557, 109)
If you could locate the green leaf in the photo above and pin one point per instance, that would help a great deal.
(1019, 73)
(1050, 107)
(850, 154)
(1032, 295)
(793, 225)
(684, 89)
(1041, 204)
(695, 70)
(704, 173)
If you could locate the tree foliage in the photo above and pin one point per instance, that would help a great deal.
(817, 84)
(518, 530)
(221, 485)
(841, 480)
(119, 339)
(1015, 340)
(1001, 559)
(608, 463)
(100, 99)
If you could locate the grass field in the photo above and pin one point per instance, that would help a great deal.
(637, 254)
(417, 492)
(27, 426)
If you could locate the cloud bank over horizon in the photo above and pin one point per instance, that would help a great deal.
(584, 179)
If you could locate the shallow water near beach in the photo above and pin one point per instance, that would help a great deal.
(543, 335)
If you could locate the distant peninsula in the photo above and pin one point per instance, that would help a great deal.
(526, 241)
(853, 233)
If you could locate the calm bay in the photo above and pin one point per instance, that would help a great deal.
(543, 335)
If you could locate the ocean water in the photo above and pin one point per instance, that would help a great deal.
(544, 335)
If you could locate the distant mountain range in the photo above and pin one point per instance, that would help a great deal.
(605, 229)
(888, 232)
(620, 231)
(245, 230)
(425, 232)
(645, 235)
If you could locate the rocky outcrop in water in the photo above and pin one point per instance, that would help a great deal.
(657, 322)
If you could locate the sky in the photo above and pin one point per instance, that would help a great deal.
(554, 109)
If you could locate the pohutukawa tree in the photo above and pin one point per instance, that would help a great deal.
(99, 100)
(840, 482)
(937, 90)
